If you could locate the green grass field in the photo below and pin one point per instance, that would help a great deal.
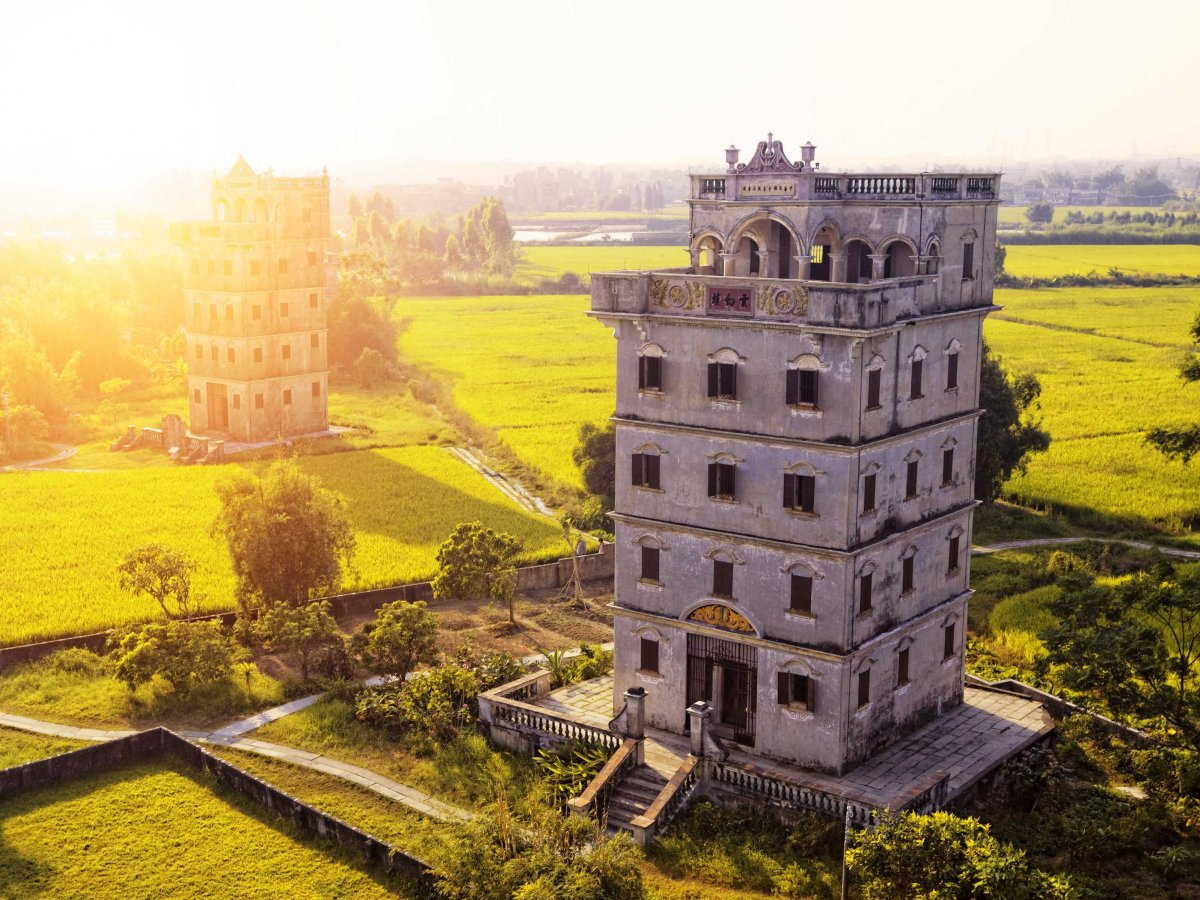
(1050, 260)
(1107, 360)
(675, 211)
(551, 262)
(531, 368)
(1015, 215)
(57, 571)
(159, 830)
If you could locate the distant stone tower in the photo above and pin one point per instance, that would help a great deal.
(254, 287)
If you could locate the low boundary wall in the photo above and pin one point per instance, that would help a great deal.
(546, 576)
(158, 741)
(1057, 706)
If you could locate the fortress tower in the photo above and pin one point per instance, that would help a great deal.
(796, 421)
(254, 287)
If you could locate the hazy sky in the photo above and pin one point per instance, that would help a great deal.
(107, 93)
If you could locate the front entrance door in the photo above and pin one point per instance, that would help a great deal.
(218, 407)
(725, 674)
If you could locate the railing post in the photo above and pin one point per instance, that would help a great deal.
(698, 715)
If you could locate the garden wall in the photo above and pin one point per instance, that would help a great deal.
(156, 741)
(547, 576)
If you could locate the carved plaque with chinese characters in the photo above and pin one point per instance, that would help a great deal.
(721, 617)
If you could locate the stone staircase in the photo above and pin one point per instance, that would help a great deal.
(631, 797)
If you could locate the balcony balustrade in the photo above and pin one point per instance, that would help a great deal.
(811, 186)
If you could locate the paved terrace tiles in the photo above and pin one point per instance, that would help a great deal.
(969, 741)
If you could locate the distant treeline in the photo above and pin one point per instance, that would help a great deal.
(1094, 279)
(1105, 234)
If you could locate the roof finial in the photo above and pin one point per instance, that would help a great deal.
(770, 138)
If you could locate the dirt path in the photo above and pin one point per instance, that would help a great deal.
(65, 451)
(983, 550)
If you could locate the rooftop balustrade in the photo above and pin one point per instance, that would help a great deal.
(683, 292)
(809, 185)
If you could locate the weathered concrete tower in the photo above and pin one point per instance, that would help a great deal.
(796, 420)
(254, 287)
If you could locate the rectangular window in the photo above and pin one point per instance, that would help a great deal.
(312, 258)
(195, 267)
(215, 353)
(287, 397)
(914, 392)
(228, 313)
(968, 262)
(795, 690)
(282, 267)
(196, 395)
(258, 354)
(314, 341)
(799, 492)
(951, 371)
(910, 481)
(801, 387)
(258, 401)
(256, 312)
(721, 481)
(864, 593)
(864, 688)
(649, 660)
(212, 267)
(952, 555)
(237, 401)
(285, 352)
(722, 585)
(874, 377)
(316, 389)
(230, 356)
(902, 668)
(649, 373)
(869, 493)
(722, 381)
(949, 642)
(228, 267)
(254, 267)
(649, 564)
(646, 470)
(283, 310)
(801, 601)
(312, 301)
(948, 466)
(906, 576)
(199, 352)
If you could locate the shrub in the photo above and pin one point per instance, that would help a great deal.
(492, 669)
(78, 660)
(570, 767)
(436, 704)
(402, 637)
(188, 654)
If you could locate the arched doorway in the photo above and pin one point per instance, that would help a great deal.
(821, 267)
(858, 262)
(900, 261)
(708, 259)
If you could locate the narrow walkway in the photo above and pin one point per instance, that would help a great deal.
(65, 452)
(985, 549)
(510, 489)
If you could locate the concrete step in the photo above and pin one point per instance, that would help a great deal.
(626, 806)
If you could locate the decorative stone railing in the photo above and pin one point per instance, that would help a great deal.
(595, 795)
(679, 292)
(790, 795)
(522, 726)
(808, 185)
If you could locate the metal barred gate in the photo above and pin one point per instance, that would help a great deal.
(725, 674)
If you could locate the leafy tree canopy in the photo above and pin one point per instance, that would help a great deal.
(1181, 443)
(596, 457)
(476, 561)
(297, 629)
(163, 574)
(403, 636)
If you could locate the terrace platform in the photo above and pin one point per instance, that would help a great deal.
(968, 743)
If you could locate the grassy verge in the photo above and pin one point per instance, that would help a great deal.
(159, 830)
(17, 747)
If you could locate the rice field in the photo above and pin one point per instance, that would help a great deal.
(532, 368)
(1107, 360)
(158, 830)
(1051, 260)
(551, 262)
(57, 571)
(1015, 215)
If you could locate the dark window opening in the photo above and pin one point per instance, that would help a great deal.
(801, 387)
(948, 466)
(646, 470)
(258, 401)
(793, 689)
(649, 373)
(721, 481)
(799, 492)
(948, 649)
(286, 351)
(801, 600)
(649, 661)
(951, 371)
(314, 341)
(316, 389)
(906, 578)
(968, 262)
(722, 584)
(722, 381)
(914, 392)
(287, 397)
(869, 493)
(952, 555)
(864, 688)
(874, 377)
(902, 668)
(910, 481)
(258, 354)
(864, 593)
(649, 564)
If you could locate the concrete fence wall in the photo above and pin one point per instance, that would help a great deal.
(547, 576)
(1057, 706)
(111, 754)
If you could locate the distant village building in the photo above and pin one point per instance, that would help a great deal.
(796, 419)
(255, 293)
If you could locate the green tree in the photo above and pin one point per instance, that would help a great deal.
(1040, 213)
(355, 207)
(188, 654)
(22, 428)
(370, 367)
(1008, 431)
(941, 856)
(476, 561)
(288, 537)
(498, 236)
(297, 629)
(454, 256)
(1181, 443)
(1132, 647)
(596, 457)
(403, 636)
(164, 575)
